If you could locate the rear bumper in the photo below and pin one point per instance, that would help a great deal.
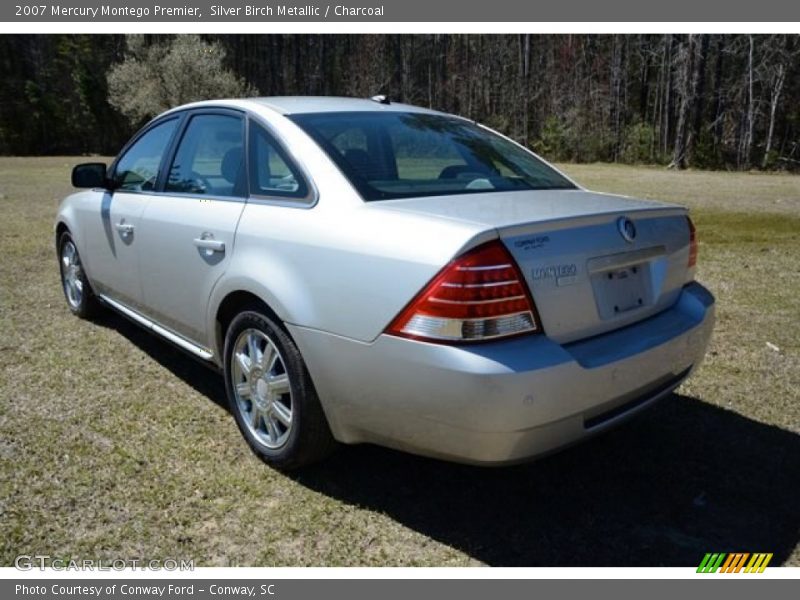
(505, 401)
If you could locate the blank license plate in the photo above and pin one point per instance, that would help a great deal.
(621, 290)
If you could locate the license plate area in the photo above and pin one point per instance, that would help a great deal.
(622, 289)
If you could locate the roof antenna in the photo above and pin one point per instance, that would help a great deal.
(381, 99)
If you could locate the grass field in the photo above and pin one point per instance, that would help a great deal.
(115, 445)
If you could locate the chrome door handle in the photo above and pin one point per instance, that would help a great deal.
(209, 243)
(125, 229)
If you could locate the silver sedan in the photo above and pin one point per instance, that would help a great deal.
(368, 271)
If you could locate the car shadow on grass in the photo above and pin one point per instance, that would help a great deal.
(677, 481)
(681, 479)
(195, 372)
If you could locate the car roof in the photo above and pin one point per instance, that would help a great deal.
(316, 104)
(293, 105)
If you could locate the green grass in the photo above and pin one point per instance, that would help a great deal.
(115, 445)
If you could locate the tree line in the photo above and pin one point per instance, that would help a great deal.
(702, 100)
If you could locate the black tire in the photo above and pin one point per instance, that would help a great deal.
(309, 439)
(88, 306)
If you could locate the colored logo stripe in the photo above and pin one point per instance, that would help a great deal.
(710, 563)
(734, 562)
(758, 563)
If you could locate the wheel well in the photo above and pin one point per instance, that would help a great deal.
(60, 229)
(232, 305)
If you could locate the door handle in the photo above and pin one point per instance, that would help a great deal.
(125, 229)
(209, 243)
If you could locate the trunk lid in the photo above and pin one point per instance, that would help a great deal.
(588, 271)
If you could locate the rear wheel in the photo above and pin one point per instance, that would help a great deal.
(77, 290)
(271, 395)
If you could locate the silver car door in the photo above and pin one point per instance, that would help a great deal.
(112, 230)
(188, 230)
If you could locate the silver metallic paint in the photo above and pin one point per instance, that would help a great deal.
(337, 270)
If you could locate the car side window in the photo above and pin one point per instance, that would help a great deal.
(271, 171)
(209, 159)
(137, 169)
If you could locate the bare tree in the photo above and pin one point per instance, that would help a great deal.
(778, 57)
(686, 82)
(746, 142)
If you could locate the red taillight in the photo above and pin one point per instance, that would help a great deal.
(692, 244)
(479, 295)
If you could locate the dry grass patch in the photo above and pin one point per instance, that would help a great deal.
(115, 445)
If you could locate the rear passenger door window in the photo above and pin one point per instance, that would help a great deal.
(271, 171)
(209, 160)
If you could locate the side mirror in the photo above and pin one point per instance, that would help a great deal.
(89, 175)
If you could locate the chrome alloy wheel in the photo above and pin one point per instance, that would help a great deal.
(261, 387)
(72, 274)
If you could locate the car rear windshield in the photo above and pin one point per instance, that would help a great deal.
(388, 155)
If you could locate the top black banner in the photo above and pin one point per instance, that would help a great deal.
(403, 11)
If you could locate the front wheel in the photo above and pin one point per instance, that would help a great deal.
(271, 395)
(77, 290)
